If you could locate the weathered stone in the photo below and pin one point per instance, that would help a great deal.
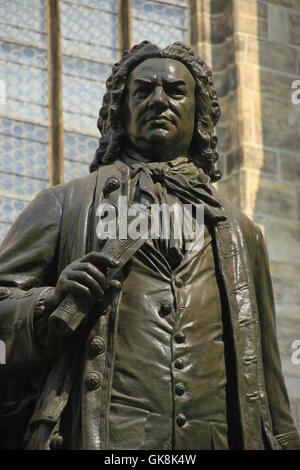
(274, 83)
(258, 158)
(222, 83)
(286, 291)
(248, 25)
(218, 28)
(274, 126)
(247, 76)
(294, 28)
(268, 196)
(298, 202)
(240, 47)
(219, 56)
(292, 384)
(234, 188)
(286, 3)
(252, 7)
(283, 241)
(270, 55)
(232, 77)
(290, 166)
(214, 6)
(278, 25)
(286, 271)
(224, 138)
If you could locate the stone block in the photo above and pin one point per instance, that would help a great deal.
(247, 76)
(286, 271)
(273, 56)
(218, 28)
(275, 125)
(240, 47)
(278, 25)
(221, 80)
(214, 6)
(274, 83)
(246, 24)
(219, 57)
(287, 291)
(271, 197)
(298, 201)
(293, 386)
(258, 158)
(286, 3)
(290, 166)
(253, 8)
(283, 240)
(294, 28)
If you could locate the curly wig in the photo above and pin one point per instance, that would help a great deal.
(113, 138)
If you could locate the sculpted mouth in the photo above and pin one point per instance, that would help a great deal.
(159, 119)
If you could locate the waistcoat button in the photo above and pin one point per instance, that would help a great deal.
(165, 309)
(179, 389)
(179, 364)
(92, 380)
(96, 346)
(111, 184)
(180, 337)
(181, 420)
(178, 282)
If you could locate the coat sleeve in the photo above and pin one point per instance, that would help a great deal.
(27, 269)
(283, 425)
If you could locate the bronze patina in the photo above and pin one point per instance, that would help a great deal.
(171, 348)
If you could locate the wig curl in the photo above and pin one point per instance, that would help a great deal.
(113, 138)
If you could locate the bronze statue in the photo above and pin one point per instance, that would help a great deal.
(175, 348)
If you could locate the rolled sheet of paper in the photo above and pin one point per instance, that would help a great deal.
(72, 310)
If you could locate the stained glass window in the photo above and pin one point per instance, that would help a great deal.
(23, 107)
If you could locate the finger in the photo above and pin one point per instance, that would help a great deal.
(75, 288)
(94, 272)
(99, 259)
(86, 280)
(115, 283)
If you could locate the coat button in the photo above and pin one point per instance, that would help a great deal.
(179, 389)
(92, 380)
(178, 282)
(179, 364)
(96, 346)
(165, 309)
(181, 420)
(180, 337)
(111, 184)
(56, 442)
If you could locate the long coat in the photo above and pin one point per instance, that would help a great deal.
(53, 231)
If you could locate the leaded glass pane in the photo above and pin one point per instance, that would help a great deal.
(24, 107)
(89, 32)
(160, 22)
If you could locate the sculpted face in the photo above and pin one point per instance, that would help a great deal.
(160, 109)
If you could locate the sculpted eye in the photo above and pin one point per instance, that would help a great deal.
(175, 91)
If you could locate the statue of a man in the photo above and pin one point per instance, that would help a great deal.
(179, 350)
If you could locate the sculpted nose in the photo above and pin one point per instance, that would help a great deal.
(158, 98)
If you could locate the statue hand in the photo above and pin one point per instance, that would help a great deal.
(85, 277)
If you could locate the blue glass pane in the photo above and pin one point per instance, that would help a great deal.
(10, 209)
(89, 31)
(24, 21)
(74, 169)
(22, 187)
(24, 157)
(3, 230)
(79, 147)
(160, 23)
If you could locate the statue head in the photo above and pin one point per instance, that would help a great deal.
(161, 103)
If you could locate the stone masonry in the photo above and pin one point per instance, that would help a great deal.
(253, 47)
